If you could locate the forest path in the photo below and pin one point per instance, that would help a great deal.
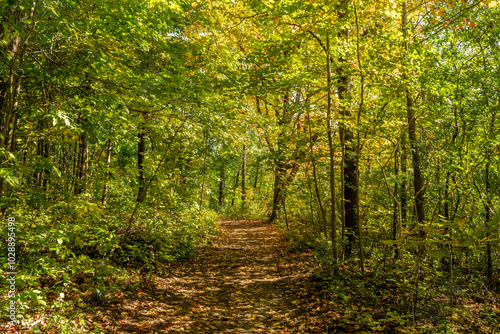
(245, 282)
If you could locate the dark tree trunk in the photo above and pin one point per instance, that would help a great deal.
(235, 186)
(257, 167)
(488, 208)
(81, 168)
(349, 164)
(418, 185)
(141, 150)
(222, 182)
(10, 88)
(244, 175)
(277, 198)
(403, 198)
(204, 173)
(46, 155)
(106, 181)
(395, 216)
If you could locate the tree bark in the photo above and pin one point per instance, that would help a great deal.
(403, 186)
(235, 186)
(333, 218)
(315, 178)
(14, 53)
(418, 184)
(244, 175)
(46, 156)
(396, 207)
(204, 174)
(222, 182)
(257, 167)
(349, 164)
(81, 168)
(108, 163)
(141, 150)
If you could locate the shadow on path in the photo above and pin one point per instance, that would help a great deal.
(245, 282)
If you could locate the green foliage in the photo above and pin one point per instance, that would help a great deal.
(300, 241)
(74, 245)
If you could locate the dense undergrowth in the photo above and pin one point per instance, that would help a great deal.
(74, 255)
(396, 294)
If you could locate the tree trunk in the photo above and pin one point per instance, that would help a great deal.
(276, 194)
(412, 136)
(487, 219)
(81, 168)
(358, 144)
(244, 175)
(221, 185)
(46, 156)
(488, 203)
(108, 163)
(204, 174)
(141, 150)
(403, 187)
(235, 186)
(9, 93)
(316, 186)
(349, 164)
(257, 167)
(395, 215)
(333, 218)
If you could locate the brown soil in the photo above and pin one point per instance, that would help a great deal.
(245, 282)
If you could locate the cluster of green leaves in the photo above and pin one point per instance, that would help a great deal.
(74, 246)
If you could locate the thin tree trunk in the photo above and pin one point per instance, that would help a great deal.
(235, 186)
(276, 193)
(395, 216)
(333, 218)
(417, 174)
(412, 136)
(46, 176)
(169, 143)
(81, 168)
(358, 144)
(74, 167)
(284, 211)
(403, 186)
(108, 164)
(316, 187)
(342, 187)
(487, 219)
(256, 176)
(221, 185)
(311, 209)
(204, 174)
(141, 150)
(261, 177)
(244, 175)
(488, 203)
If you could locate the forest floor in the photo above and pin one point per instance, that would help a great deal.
(245, 282)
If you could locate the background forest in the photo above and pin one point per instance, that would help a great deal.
(368, 130)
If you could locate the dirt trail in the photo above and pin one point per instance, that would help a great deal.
(245, 282)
